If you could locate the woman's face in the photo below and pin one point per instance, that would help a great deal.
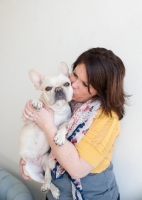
(79, 83)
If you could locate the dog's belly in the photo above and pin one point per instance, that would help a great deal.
(33, 143)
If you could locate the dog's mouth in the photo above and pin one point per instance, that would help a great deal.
(60, 95)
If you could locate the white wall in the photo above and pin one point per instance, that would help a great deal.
(41, 33)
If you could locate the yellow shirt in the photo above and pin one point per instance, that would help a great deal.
(97, 145)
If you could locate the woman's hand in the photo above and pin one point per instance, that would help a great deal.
(43, 117)
(21, 164)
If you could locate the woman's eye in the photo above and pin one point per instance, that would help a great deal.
(74, 74)
(48, 88)
(66, 84)
(85, 84)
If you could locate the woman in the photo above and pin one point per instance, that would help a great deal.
(97, 105)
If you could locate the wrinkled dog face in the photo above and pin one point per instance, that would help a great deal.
(56, 88)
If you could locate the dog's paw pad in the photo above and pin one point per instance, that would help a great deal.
(37, 104)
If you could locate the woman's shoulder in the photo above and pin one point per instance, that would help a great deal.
(105, 124)
(102, 115)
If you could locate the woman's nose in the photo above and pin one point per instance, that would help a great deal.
(75, 84)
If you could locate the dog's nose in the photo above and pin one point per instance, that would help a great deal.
(58, 89)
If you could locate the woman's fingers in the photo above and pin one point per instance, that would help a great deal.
(29, 105)
(28, 116)
(26, 177)
(38, 116)
(28, 111)
(22, 163)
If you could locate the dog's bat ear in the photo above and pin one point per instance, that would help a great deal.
(36, 78)
(63, 68)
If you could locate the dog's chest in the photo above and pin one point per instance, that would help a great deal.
(60, 118)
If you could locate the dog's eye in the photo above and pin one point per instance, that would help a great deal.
(48, 88)
(66, 84)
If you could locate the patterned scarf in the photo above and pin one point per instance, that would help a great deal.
(82, 117)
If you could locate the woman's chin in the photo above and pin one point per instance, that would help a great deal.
(78, 99)
(74, 99)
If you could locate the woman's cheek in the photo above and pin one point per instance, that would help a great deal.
(71, 80)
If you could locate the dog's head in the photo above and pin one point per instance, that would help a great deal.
(56, 89)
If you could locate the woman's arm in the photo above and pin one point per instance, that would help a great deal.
(67, 155)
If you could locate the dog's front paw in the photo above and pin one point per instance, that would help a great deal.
(59, 139)
(37, 104)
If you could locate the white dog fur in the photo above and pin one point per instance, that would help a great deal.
(56, 93)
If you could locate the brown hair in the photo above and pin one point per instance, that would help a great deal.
(105, 72)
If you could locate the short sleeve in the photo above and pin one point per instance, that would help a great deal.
(99, 140)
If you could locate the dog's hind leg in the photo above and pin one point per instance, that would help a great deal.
(55, 191)
(47, 177)
(48, 184)
(34, 171)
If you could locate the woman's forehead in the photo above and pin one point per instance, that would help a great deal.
(81, 72)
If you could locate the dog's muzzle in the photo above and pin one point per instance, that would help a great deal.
(59, 94)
